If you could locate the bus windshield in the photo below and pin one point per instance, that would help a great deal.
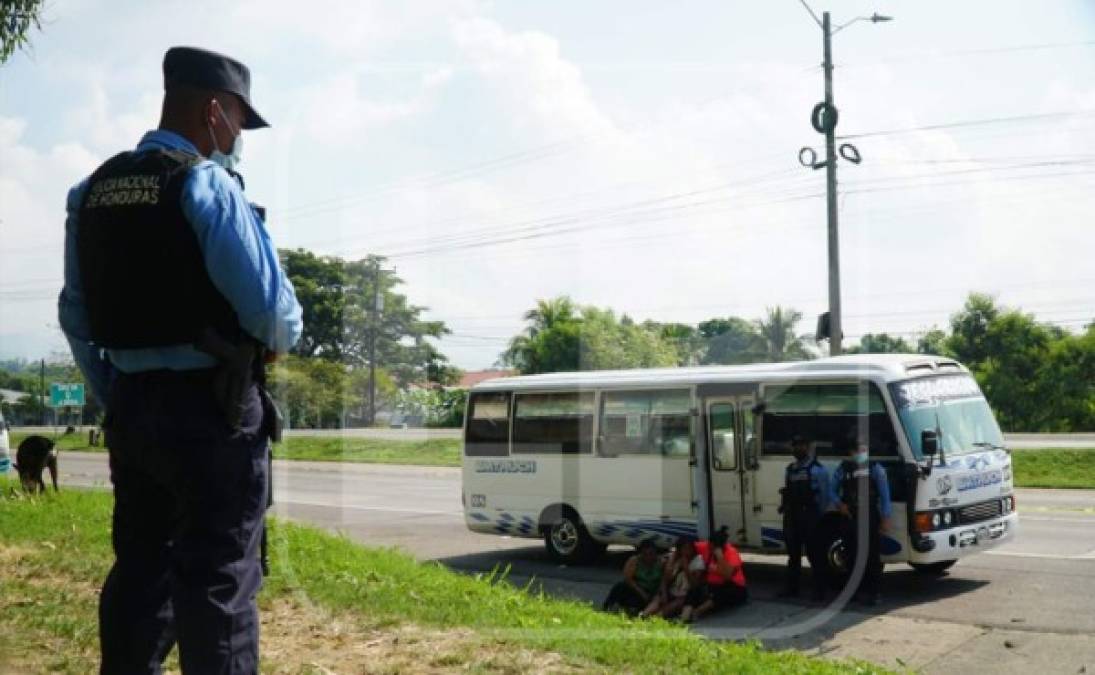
(954, 405)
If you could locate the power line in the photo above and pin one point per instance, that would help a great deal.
(971, 123)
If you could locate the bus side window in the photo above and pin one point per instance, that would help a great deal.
(487, 433)
(832, 416)
(553, 423)
(646, 423)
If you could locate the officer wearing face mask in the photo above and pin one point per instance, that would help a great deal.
(806, 496)
(858, 479)
(163, 248)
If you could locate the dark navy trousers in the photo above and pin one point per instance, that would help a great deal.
(189, 500)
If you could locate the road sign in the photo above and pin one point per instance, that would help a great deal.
(66, 395)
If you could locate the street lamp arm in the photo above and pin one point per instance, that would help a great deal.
(874, 18)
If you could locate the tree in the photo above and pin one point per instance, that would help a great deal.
(1069, 373)
(777, 334)
(564, 337)
(1016, 348)
(969, 330)
(933, 342)
(320, 285)
(880, 343)
(730, 341)
(609, 343)
(685, 340)
(341, 318)
(17, 17)
(551, 341)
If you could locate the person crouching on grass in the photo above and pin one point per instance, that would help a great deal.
(642, 580)
(677, 580)
(723, 583)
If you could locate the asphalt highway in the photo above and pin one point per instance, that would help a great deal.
(1034, 594)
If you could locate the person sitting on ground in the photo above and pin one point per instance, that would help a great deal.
(724, 578)
(642, 579)
(676, 580)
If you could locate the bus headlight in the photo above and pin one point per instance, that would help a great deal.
(948, 518)
(936, 520)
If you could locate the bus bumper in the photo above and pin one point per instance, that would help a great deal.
(964, 540)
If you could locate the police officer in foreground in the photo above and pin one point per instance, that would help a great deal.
(806, 497)
(857, 477)
(164, 257)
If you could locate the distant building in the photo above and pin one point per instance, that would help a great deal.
(474, 377)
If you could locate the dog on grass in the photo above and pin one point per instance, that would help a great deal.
(35, 455)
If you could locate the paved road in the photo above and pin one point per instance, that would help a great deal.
(1034, 594)
(1018, 441)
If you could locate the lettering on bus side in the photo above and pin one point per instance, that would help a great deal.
(505, 466)
(977, 480)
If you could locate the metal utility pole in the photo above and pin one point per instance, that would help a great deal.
(377, 308)
(836, 334)
(824, 119)
(42, 395)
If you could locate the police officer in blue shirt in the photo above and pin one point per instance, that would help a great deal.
(161, 248)
(806, 497)
(858, 478)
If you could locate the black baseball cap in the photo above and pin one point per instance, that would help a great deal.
(210, 70)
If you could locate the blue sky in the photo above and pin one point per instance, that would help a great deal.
(638, 155)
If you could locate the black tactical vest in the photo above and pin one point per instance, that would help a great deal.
(801, 496)
(849, 486)
(142, 269)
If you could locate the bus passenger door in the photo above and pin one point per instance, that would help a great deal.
(729, 430)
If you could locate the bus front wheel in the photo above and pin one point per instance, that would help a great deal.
(567, 539)
(933, 569)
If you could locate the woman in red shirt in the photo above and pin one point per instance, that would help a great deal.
(723, 582)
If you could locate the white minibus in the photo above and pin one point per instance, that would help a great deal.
(594, 458)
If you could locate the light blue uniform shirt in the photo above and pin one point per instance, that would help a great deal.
(239, 256)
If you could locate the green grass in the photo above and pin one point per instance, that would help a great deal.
(1054, 468)
(1050, 468)
(77, 441)
(64, 539)
(432, 452)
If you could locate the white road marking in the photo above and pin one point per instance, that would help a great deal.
(1085, 521)
(1090, 555)
(357, 507)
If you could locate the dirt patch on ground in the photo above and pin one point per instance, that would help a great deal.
(297, 635)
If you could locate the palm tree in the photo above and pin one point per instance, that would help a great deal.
(549, 313)
(777, 333)
(524, 351)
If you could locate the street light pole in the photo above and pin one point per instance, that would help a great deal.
(836, 334)
(824, 120)
(377, 300)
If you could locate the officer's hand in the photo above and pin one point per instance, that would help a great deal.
(270, 357)
(885, 525)
(843, 508)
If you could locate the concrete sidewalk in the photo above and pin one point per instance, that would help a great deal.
(879, 635)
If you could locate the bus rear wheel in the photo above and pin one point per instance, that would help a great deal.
(933, 569)
(834, 551)
(568, 541)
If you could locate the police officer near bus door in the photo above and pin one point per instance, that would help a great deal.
(857, 477)
(173, 298)
(807, 496)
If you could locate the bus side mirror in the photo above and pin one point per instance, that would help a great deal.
(929, 442)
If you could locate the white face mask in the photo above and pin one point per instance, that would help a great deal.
(860, 457)
(235, 154)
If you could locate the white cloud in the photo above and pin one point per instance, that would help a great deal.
(33, 186)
